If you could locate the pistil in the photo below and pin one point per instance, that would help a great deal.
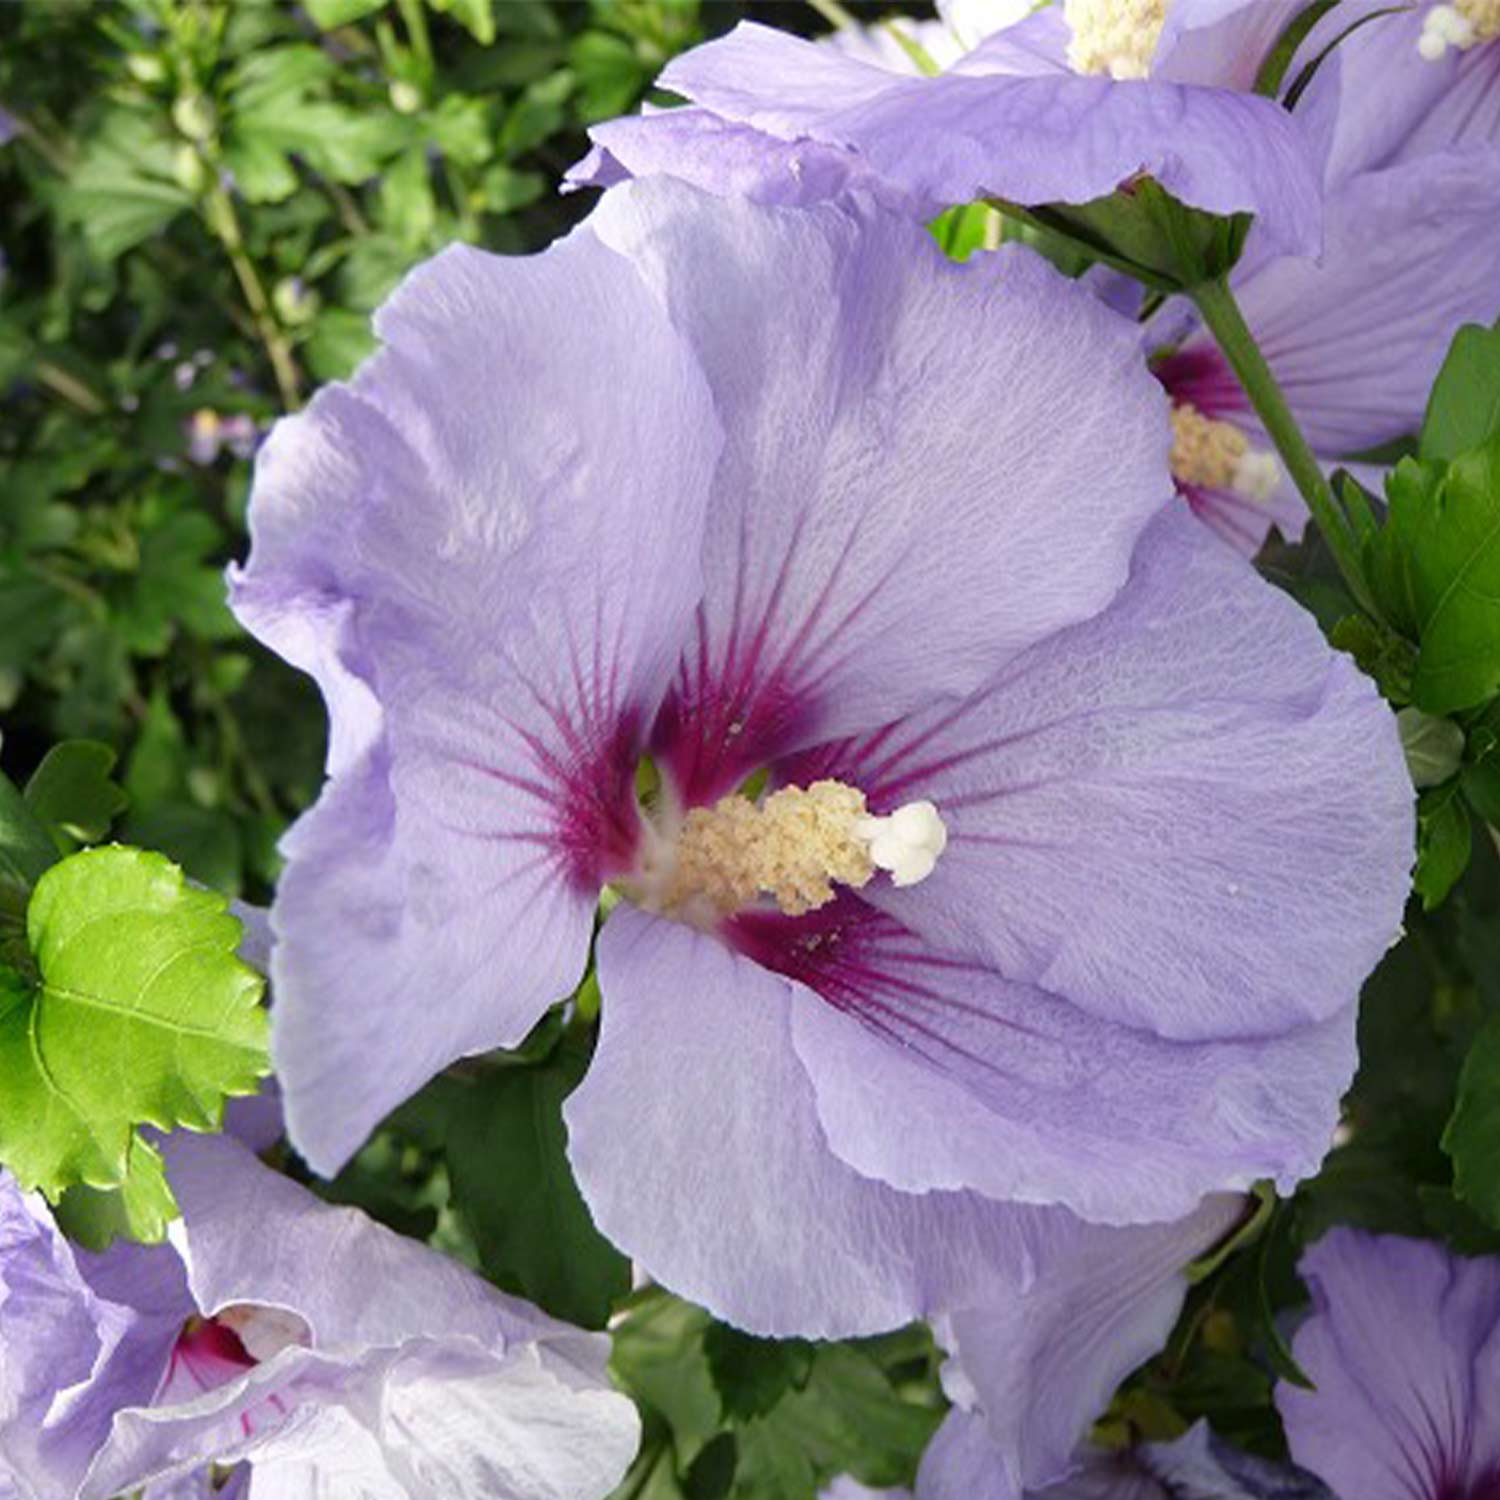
(794, 846)
(1213, 454)
(1460, 26)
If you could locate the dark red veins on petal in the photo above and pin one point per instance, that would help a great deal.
(865, 964)
(1201, 378)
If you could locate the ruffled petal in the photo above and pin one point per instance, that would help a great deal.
(721, 157)
(1357, 339)
(1403, 1346)
(1039, 1368)
(1188, 816)
(927, 467)
(321, 1262)
(696, 1142)
(983, 130)
(484, 549)
(1399, 107)
(933, 1073)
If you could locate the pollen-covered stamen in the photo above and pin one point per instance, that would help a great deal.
(1117, 37)
(1461, 25)
(795, 845)
(1217, 455)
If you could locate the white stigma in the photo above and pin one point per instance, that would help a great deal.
(907, 843)
(1114, 37)
(1459, 26)
(1214, 454)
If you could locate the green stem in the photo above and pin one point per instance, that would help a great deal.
(834, 13)
(1221, 313)
(225, 224)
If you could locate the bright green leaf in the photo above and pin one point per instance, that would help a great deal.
(71, 790)
(140, 1014)
(407, 206)
(139, 1209)
(477, 15)
(1472, 1138)
(1435, 568)
(1463, 411)
(331, 13)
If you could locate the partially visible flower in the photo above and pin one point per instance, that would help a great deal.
(1403, 1346)
(1355, 341)
(9, 127)
(209, 434)
(303, 1341)
(962, 1464)
(1064, 106)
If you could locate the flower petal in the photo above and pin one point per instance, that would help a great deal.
(484, 549)
(321, 1262)
(1039, 1368)
(1188, 816)
(927, 468)
(696, 1142)
(981, 130)
(1357, 339)
(930, 1072)
(1399, 107)
(1403, 1346)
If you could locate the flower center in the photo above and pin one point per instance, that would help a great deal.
(1216, 455)
(1117, 37)
(793, 845)
(263, 1331)
(1461, 25)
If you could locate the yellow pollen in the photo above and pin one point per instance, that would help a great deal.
(1205, 451)
(1483, 15)
(792, 846)
(1117, 37)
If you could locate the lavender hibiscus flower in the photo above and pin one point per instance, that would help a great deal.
(1355, 341)
(1403, 1346)
(739, 488)
(320, 1351)
(1062, 107)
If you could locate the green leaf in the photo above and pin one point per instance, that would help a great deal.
(26, 849)
(139, 1209)
(850, 1419)
(1435, 568)
(339, 341)
(753, 1374)
(657, 1355)
(123, 189)
(407, 205)
(611, 75)
(477, 15)
(1472, 1137)
(505, 189)
(1463, 411)
(328, 14)
(508, 1166)
(140, 1014)
(71, 790)
(1444, 841)
(1434, 748)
